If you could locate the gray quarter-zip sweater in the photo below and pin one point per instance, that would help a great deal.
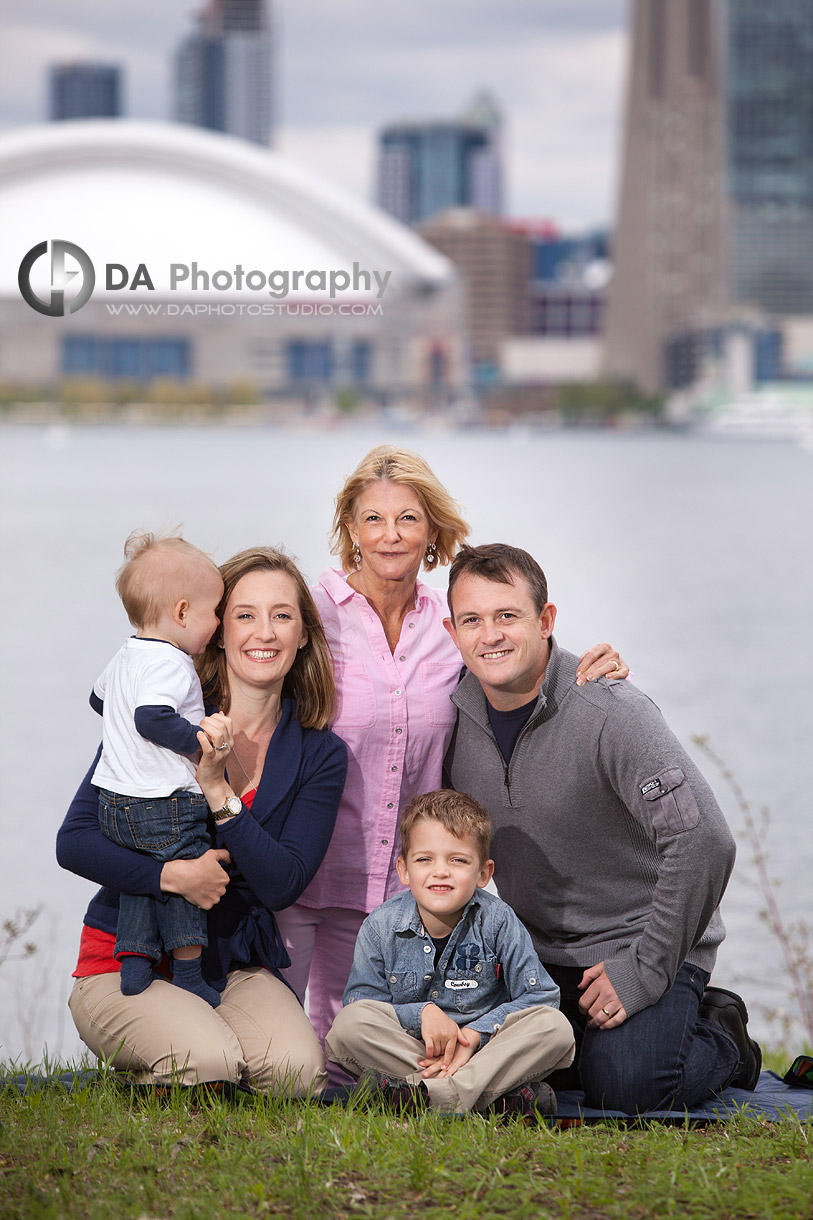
(608, 842)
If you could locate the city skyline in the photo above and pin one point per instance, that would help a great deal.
(557, 71)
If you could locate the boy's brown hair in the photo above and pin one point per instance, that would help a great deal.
(158, 571)
(459, 813)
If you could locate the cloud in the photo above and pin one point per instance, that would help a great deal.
(343, 70)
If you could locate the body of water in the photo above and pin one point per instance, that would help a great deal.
(692, 555)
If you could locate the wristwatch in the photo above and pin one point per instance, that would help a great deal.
(233, 805)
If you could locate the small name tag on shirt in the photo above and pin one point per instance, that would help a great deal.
(460, 984)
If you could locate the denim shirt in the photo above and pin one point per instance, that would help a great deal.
(487, 970)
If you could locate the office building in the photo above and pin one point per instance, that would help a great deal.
(85, 91)
(426, 167)
(223, 71)
(715, 219)
(306, 293)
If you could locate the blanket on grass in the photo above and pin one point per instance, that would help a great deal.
(772, 1099)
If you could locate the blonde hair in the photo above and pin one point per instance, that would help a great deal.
(158, 571)
(458, 812)
(399, 466)
(309, 681)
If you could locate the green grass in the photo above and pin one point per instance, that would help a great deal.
(100, 1153)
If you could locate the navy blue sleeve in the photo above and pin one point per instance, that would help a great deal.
(96, 703)
(164, 727)
(82, 848)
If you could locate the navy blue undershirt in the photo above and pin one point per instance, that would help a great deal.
(507, 726)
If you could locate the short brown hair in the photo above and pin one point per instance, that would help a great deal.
(156, 574)
(309, 681)
(458, 812)
(500, 563)
(399, 466)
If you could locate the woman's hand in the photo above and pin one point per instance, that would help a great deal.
(601, 661)
(216, 739)
(201, 881)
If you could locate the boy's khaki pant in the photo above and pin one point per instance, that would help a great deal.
(527, 1047)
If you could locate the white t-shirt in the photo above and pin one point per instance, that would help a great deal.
(145, 673)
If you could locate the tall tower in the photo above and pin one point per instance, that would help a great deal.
(715, 219)
(427, 167)
(85, 91)
(669, 250)
(223, 71)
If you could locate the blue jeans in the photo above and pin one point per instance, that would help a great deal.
(166, 828)
(662, 1057)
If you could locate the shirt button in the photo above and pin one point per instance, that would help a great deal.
(427, 948)
(386, 841)
(402, 658)
(427, 977)
(390, 805)
(398, 692)
(393, 768)
(411, 625)
(399, 730)
(532, 981)
(435, 995)
(478, 966)
(393, 978)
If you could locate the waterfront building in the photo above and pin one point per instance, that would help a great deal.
(223, 71)
(84, 91)
(215, 263)
(429, 166)
(715, 219)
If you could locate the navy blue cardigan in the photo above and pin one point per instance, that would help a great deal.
(275, 850)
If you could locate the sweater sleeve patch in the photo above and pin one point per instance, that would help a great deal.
(671, 802)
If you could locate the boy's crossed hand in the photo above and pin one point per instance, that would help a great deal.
(448, 1046)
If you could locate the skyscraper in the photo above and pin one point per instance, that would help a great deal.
(223, 71)
(85, 91)
(715, 219)
(426, 167)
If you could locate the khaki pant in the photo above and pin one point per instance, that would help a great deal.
(259, 1034)
(527, 1047)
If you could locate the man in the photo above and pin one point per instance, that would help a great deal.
(608, 844)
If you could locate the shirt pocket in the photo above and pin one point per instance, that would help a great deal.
(438, 681)
(355, 697)
(671, 802)
(471, 991)
(403, 985)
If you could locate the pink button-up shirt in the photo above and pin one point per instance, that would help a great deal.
(396, 718)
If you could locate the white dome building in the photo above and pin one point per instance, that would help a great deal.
(144, 250)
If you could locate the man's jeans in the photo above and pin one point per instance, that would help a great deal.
(663, 1057)
(166, 828)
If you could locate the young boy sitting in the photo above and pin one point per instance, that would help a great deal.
(151, 705)
(447, 1003)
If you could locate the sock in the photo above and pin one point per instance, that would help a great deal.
(136, 973)
(186, 974)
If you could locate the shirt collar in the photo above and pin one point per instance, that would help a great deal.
(409, 919)
(334, 582)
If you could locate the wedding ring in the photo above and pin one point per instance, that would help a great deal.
(617, 666)
(225, 746)
(606, 1012)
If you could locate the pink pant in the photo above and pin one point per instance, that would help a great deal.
(320, 944)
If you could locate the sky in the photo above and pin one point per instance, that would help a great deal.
(345, 68)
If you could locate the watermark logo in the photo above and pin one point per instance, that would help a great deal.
(55, 306)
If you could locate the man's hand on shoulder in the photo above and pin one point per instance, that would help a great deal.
(599, 1001)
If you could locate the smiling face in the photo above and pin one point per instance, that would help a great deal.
(392, 530)
(502, 637)
(442, 872)
(262, 629)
